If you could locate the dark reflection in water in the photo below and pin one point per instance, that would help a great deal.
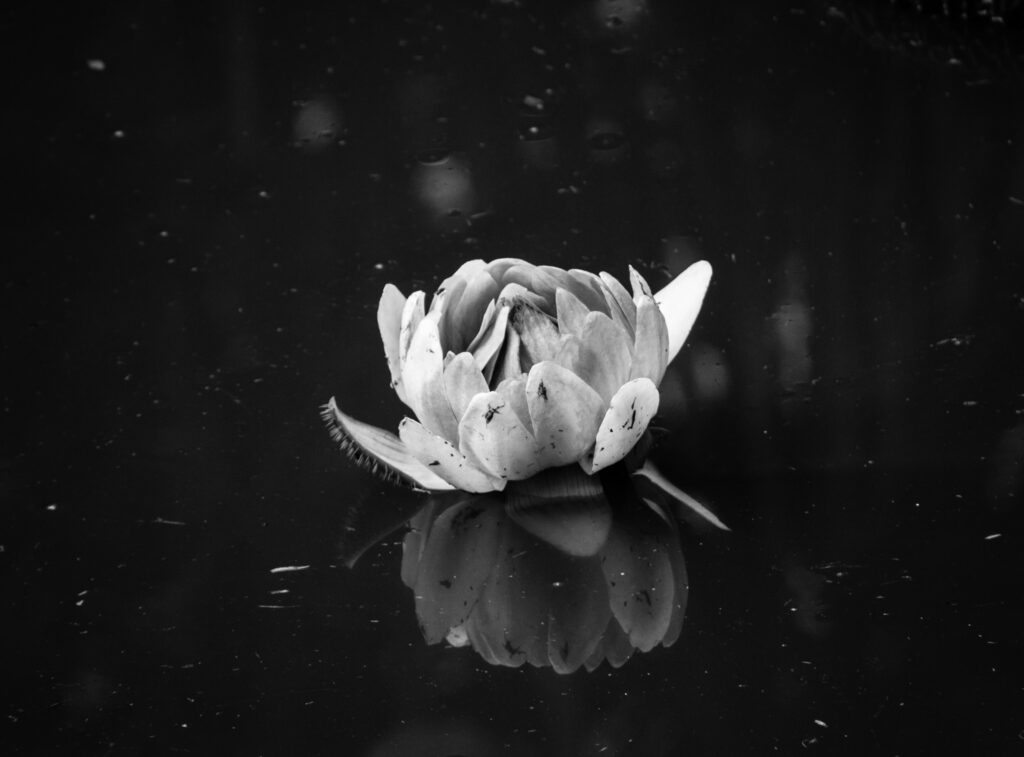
(553, 581)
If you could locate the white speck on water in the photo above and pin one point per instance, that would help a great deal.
(95, 64)
(289, 568)
(990, 537)
(822, 723)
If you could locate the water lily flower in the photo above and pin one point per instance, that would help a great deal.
(517, 368)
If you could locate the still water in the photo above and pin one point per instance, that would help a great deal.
(211, 202)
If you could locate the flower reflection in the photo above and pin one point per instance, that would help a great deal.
(565, 581)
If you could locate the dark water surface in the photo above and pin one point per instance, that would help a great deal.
(208, 203)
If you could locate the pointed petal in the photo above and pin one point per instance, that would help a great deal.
(441, 456)
(487, 346)
(514, 390)
(463, 319)
(605, 356)
(381, 445)
(456, 561)
(412, 314)
(499, 266)
(650, 351)
(566, 413)
(620, 304)
(495, 440)
(680, 303)
(571, 313)
(538, 281)
(589, 289)
(389, 321)
(538, 333)
(640, 286)
(423, 378)
(630, 411)
(462, 381)
(679, 497)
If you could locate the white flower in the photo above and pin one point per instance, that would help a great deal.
(517, 368)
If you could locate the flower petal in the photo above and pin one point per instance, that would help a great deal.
(620, 304)
(462, 381)
(412, 314)
(462, 319)
(422, 376)
(441, 456)
(571, 312)
(640, 286)
(589, 289)
(680, 303)
(495, 440)
(381, 445)
(630, 411)
(457, 559)
(487, 346)
(389, 321)
(650, 350)
(536, 280)
(514, 390)
(605, 355)
(566, 413)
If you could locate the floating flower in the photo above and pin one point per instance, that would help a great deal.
(517, 368)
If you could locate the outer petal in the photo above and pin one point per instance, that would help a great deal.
(462, 381)
(492, 436)
(571, 312)
(441, 456)
(605, 355)
(422, 376)
(535, 280)
(381, 445)
(630, 411)
(650, 351)
(412, 314)
(589, 289)
(565, 411)
(640, 286)
(514, 390)
(486, 348)
(389, 321)
(680, 303)
(462, 319)
(620, 304)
